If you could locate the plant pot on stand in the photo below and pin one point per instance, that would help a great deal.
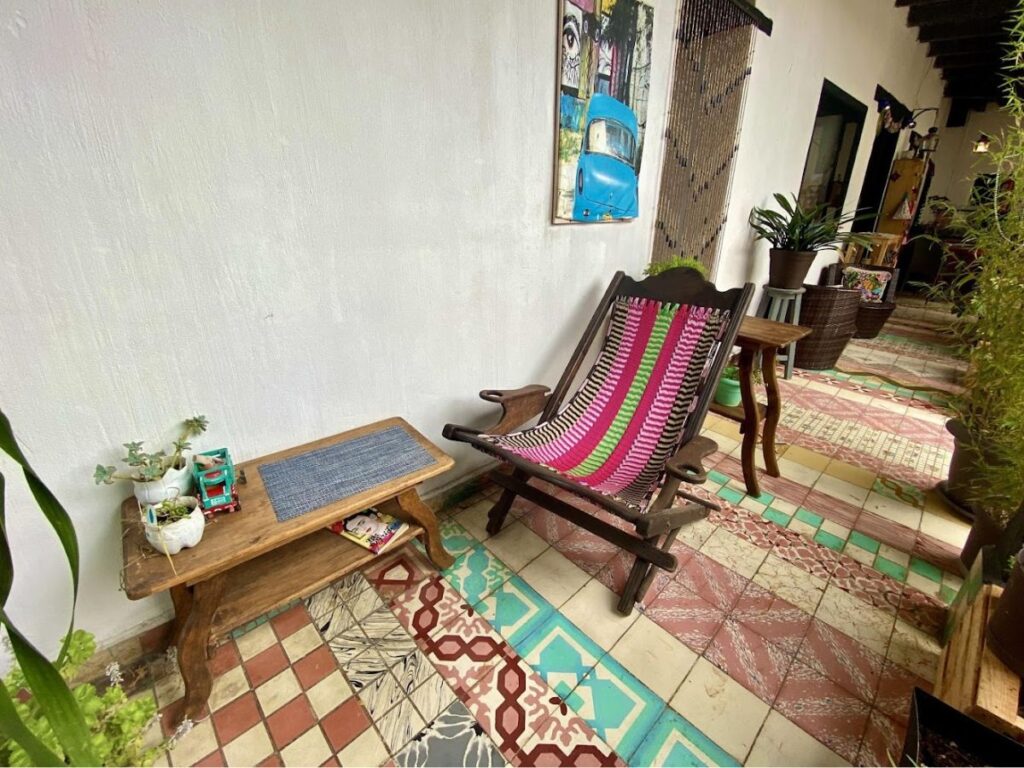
(1006, 627)
(788, 269)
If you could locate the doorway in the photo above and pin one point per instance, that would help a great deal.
(834, 140)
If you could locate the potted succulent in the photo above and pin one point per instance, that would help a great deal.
(173, 524)
(796, 235)
(675, 262)
(987, 471)
(728, 390)
(157, 476)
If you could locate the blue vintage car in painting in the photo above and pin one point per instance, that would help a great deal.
(606, 183)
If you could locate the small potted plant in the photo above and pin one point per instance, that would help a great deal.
(676, 262)
(157, 476)
(173, 524)
(728, 390)
(796, 235)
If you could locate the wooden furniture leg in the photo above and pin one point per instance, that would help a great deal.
(181, 596)
(413, 510)
(750, 419)
(773, 413)
(193, 642)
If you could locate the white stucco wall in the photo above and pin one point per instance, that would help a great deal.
(956, 165)
(295, 218)
(856, 44)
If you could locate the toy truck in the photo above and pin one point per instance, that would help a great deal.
(214, 475)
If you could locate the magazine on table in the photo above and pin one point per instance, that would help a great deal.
(371, 529)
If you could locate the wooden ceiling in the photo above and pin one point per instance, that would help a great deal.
(967, 39)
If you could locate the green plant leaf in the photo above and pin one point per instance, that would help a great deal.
(12, 727)
(53, 696)
(55, 514)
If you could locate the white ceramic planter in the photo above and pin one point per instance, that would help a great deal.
(174, 483)
(171, 538)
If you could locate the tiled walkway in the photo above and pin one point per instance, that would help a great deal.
(792, 633)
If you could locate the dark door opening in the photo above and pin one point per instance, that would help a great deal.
(837, 128)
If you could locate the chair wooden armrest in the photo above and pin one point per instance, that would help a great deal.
(517, 405)
(688, 463)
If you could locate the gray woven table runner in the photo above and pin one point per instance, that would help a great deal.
(309, 481)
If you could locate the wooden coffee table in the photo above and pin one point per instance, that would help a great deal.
(248, 563)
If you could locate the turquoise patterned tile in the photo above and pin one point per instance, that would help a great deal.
(731, 495)
(515, 610)
(674, 741)
(560, 653)
(619, 708)
(476, 573)
(455, 538)
(717, 478)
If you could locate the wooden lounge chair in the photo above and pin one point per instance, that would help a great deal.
(631, 432)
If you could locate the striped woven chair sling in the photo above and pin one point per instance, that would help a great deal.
(632, 425)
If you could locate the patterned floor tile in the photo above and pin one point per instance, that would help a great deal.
(686, 616)
(432, 697)
(868, 584)
(510, 702)
(749, 659)
(830, 714)
(895, 690)
(399, 725)
(712, 581)
(399, 572)
(464, 651)
(547, 525)
(413, 671)
(455, 538)
(427, 606)
(674, 741)
(616, 705)
(565, 740)
(454, 738)
(589, 552)
(657, 658)
(615, 573)
(883, 741)
(842, 660)
(560, 653)
(868, 625)
(476, 573)
(774, 619)
(514, 609)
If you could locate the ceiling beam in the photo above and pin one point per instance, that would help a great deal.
(991, 59)
(959, 11)
(960, 30)
(972, 45)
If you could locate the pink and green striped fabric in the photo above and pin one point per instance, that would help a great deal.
(627, 418)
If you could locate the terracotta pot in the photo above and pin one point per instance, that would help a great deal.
(788, 269)
(1006, 627)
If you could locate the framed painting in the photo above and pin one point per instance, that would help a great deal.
(604, 77)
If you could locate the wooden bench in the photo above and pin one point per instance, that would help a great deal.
(248, 563)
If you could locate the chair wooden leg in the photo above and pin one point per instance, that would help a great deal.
(637, 575)
(496, 517)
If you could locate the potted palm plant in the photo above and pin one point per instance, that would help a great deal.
(987, 470)
(796, 235)
(157, 476)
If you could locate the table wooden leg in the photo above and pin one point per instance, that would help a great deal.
(413, 510)
(192, 644)
(771, 421)
(750, 421)
(181, 596)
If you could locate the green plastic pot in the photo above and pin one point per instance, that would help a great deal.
(728, 392)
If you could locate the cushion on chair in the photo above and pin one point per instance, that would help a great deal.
(627, 418)
(870, 282)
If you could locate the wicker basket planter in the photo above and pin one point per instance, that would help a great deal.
(871, 316)
(831, 313)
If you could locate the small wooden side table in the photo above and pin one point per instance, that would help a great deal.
(248, 563)
(762, 337)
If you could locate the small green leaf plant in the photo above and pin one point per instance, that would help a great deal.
(796, 228)
(171, 511)
(674, 262)
(731, 372)
(116, 724)
(146, 467)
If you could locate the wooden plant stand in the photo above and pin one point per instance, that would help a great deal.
(972, 679)
(248, 563)
(764, 337)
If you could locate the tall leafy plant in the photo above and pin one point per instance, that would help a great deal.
(795, 228)
(42, 720)
(991, 407)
